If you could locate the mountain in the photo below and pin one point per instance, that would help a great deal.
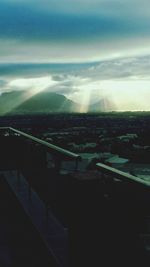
(24, 102)
(103, 105)
(9, 101)
(20, 102)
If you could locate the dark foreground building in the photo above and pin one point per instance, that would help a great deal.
(54, 217)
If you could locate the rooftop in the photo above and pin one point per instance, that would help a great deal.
(62, 217)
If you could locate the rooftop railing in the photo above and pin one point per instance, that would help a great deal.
(86, 210)
(125, 177)
(59, 153)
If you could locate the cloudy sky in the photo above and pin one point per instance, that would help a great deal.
(85, 49)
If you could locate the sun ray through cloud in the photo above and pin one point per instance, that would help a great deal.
(85, 101)
(27, 88)
(85, 44)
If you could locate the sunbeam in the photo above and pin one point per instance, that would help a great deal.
(24, 90)
(85, 100)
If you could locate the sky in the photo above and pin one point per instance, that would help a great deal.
(84, 49)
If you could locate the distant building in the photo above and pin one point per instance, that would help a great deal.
(116, 161)
(127, 137)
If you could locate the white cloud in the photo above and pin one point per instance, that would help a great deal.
(32, 85)
(130, 68)
(124, 81)
(12, 50)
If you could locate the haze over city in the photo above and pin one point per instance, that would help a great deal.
(86, 50)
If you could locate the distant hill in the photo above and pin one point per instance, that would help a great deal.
(9, 100)
(22, 102)
(103, 105)
(19, 102)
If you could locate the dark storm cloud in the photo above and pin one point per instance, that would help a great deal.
(26, 22)
(17, 22)
(71, 30)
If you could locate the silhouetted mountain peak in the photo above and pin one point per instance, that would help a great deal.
(21, 102)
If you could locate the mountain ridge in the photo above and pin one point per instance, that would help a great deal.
(20, 102)
(23, 102)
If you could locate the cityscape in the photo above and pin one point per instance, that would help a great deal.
(64, 165)
(74, 133)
